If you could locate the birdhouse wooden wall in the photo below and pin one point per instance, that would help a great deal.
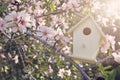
(86, 39)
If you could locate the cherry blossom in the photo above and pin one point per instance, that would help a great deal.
(12, 20)
(2, 56)
(16, 59)
(68, 72)
(66, 49)
(116, 57)
(59, 22)
(38, 11)
(25, 21)
(64, 6)
(71, 4)
(19, 21)
(50, 70)
(96, 5)
(2, 25)
(110, 42)
(61, 72)
(45, 32)
(41, 21)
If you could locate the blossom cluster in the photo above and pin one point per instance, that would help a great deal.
(49, 21)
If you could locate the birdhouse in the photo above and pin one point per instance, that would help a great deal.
(87, 38)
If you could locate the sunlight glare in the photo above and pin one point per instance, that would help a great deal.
(113, 8)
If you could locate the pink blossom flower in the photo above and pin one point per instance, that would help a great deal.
(19, 21)
(59, 22)
(2, 56)
(28, 9)
(16, 59)
(45, 32)
(73, 4)
(61, 73)
(50, 70)
(105, 21)
(39, 4)
(110, 42)
(12, 20)
(105, 47)
(68, 72)
(25, 21)
(116, 57)
(2, 25)
(41, 21)
(38, 11)
(66, 50)
(64, 6)
(96, 6)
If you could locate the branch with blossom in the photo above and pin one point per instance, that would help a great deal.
(34, 43)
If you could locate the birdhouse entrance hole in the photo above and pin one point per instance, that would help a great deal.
(86, 31)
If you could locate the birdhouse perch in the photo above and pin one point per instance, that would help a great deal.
(87, 38)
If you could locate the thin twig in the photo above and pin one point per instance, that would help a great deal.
(106, 58)
(19, 51)
(52, 13)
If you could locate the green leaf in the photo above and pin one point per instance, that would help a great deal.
(111, 75)
(52, 6)
(107, 67)
(3, 7)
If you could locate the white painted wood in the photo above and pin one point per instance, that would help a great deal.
(85, 47)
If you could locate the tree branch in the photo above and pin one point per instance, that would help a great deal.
(64, 55)
(51, 13)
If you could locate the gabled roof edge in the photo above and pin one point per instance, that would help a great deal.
(79, 22)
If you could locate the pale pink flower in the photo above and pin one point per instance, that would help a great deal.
(28, 9)
(64, 6)
(73, 4)
(16, 59)
(13, 17)
(110, 42)
(19, 21)
(45, 32)
(60, 36)
(3, 56)
(105, 21)
(39, 4)
(38, 11)
(35, 56)
(96, 6)
(2, 25)
(12, 20)
(50, 70)
(66, 50)
(68, 72)
(61, 73)
(116, 57)
(105, 47)
(41, 21)
(59, 22)
(25, 21)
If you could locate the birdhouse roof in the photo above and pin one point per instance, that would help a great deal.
(84, 20)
